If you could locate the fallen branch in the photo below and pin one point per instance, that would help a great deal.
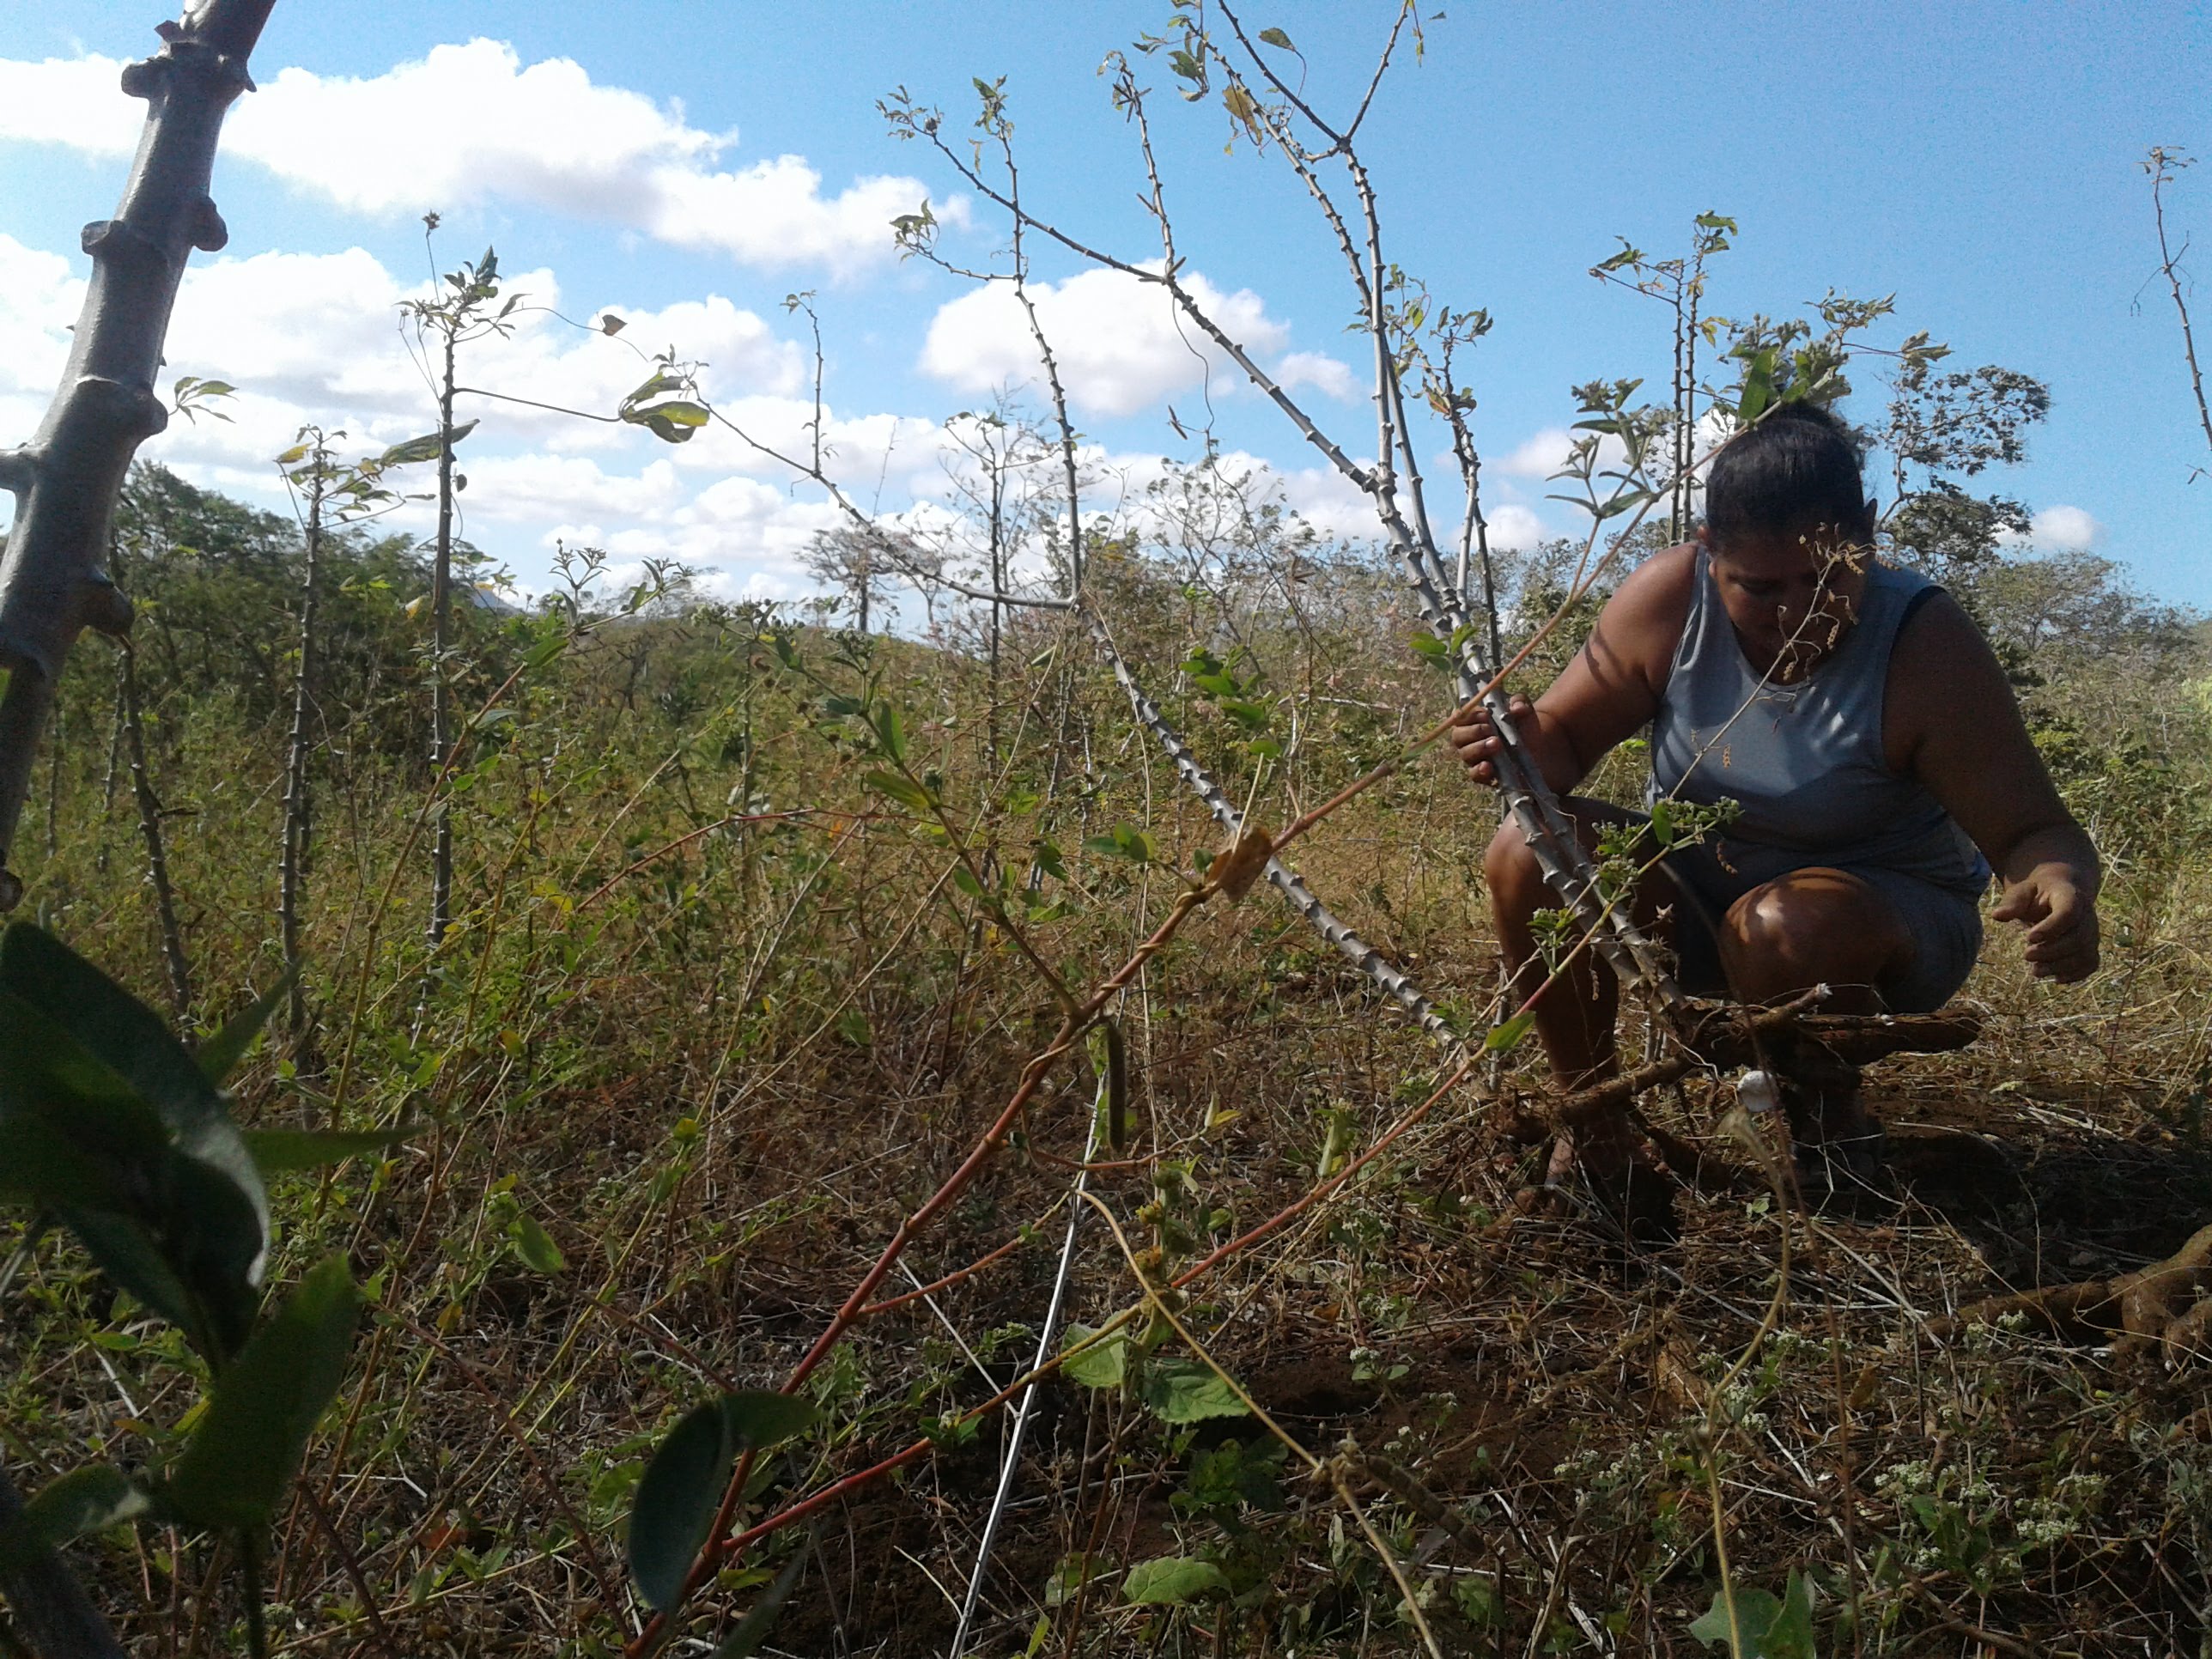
(2166, 1307)
(1725, 1038)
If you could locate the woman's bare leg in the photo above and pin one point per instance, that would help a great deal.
(1575, 1014)
(1814, 927)
(1819, 926)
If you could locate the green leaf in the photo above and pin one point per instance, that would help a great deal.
(535, 1246)
(86, 1500)
(220, 1055)
(108, 1023)
(128, 1252)
(424, 448)
(752, 1630)
(176, 1214)
(1103, 1364)
(760, 1418)
(671, 422)
(1173, 1581)
(660, 381)
(892, 730)
(1769, 1628)
(263, 1406)
(1179, 1391)
(1506, 1036)
(1791, 1635)
(1124, 844)
(904, 791)
(1627, 502)
(39, 1165)
(276, 1149)
(676, 1500)
(543, 653)
(682, 1488)
(1277, 37)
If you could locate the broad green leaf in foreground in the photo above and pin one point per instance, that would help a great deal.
(86, 1500)
(682, 1487)
(81, 1054)
(265, 1404)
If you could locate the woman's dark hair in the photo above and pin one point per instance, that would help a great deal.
(1796, 466)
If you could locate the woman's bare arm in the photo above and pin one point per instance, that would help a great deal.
(1611, 688)
(1954, 723)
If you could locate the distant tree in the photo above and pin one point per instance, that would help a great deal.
(1941, 428)
(856, 564)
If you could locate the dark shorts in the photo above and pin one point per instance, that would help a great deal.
(1946, 925)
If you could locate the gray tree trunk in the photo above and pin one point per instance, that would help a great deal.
(66, 480)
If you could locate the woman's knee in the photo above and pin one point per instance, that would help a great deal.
(1810, 926)
(1509, 866)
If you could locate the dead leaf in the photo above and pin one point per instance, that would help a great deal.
(1236, 867)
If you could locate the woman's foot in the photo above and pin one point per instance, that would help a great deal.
(1623, 1176)
(1841, 1147)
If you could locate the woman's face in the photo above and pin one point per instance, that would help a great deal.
(1794, 593)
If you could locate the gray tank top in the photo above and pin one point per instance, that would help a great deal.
(1805, 761)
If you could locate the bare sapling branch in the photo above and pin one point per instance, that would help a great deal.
(327, 496)
(1566, 867)
(65, 481)
(175, 963)
(2162, 164)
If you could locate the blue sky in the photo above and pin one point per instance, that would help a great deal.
(1980, 160)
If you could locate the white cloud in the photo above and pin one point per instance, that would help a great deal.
(317, 337)
(39, 299)
(1515, 526)
(320, 337)
(1316, 370)
(471, 124)
(1540, 456)
(2065, 529)
(1121, 343)
(76, 101)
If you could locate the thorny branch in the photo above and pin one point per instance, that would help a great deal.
(67, 478)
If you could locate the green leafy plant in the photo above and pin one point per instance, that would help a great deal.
(112, 1129)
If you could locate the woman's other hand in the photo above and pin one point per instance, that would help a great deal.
(2060, 914)
(1476, 738)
